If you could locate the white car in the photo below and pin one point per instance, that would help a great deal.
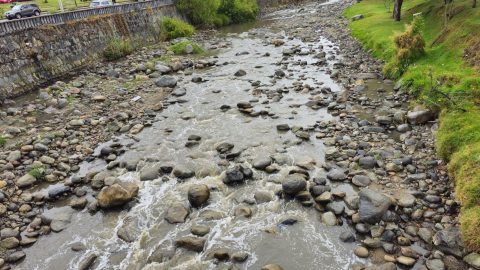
(99, 4)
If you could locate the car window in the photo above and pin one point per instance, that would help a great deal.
(17, 7)
(104, 3)
(94, 4)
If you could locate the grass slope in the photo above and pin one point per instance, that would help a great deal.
(455, 58)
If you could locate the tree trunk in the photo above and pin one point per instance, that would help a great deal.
(474, 4)
(397, 10)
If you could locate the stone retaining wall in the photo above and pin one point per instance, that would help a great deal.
(30, 57)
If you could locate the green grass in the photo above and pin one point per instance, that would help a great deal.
(458, 138)
(179, 48)
(117, 48)
(445, 57)
(2, 141)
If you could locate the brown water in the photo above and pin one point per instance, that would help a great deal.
(308, 244)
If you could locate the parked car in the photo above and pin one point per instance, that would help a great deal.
(99, 4)
(8, 1)
(25, 10)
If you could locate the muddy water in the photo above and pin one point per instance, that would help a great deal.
(308, 244)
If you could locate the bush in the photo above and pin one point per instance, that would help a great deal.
(218, 22)
(199, 12)
(244, 11)
(117, 48)
(409, 45)
(225, 19)
(175, 28)
(179, 48)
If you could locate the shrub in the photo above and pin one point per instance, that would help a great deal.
(409, 46)
(117, 48)
(199, 12)
(218, 22)
(175, 28)
(179, 48)
(244, 11)
(225, 19)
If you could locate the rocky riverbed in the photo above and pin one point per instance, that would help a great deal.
(280, 148)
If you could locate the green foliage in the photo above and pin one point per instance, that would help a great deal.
(2, 13)
(218, 22)
(53, 11)
(173, 28)
(35, 173)
(205, 12)
(200, 12)
(179, 48)
(117, 48)
(72, 8)
(71, 100)
(225, 19)
(2, 141)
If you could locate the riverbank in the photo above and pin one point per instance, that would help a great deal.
(454, 60)
(278, 140)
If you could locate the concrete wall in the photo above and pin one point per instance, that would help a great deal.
(32, 56)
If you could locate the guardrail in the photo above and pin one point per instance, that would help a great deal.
(14, 25)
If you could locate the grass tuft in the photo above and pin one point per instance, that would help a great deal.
(179, 48)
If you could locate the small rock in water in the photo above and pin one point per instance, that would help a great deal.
(287, 222)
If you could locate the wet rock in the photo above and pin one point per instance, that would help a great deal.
(136, 129)
(221, 255)
(287, 222)
(426, 234)
(117, 195)
(262, 197)
(88, 262)
(352, 202)
(240, 72)
(166, 81)
(272, 267)
(329, 219)
(347, 237)
(62, 220)
(125, 235)
(10, 242)
(294, 184)
(79, 203)
(176, 214)
(15, 256)
(200, 230)
(198, 195)
(407, 201)
(240, 257)
(58, 191)
(78, 246)
(148, 174)
(183, 172)
(179, 92)
(361, 180)
(261, 163)
(191, 243)
(336, 175)
(372, 205)
(435, 264)
(361, 252)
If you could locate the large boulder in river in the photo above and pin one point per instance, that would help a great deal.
(62, 220)
(198, 195)
(419, 117)
(294, 184)
(448, 240)
(183, 172)
(372, 205)
(117, 194)
(261, 163)
(166, 81)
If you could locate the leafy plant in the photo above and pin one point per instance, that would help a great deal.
(2, 141)
(117, 48)
(200, 12)
(71, 100)
(35, 173)
(173, 28)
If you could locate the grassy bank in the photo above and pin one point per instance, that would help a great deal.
(453, 62)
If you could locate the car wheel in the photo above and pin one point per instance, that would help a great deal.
(18, 16)
(37, 13)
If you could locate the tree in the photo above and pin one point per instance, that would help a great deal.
(474, 4)
(397, 10)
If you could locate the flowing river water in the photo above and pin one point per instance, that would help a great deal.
(308, 244)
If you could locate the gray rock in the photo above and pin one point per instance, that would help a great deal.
(407, 201)
(125, 235)
(25, 181)
(329, 219)
(62, 220)
(261, 163)
(179, 92)
(113, 73)
(352, 202)
(435, 264)
(357, 17)
(294, 184)
(166, 81)
(188, 49)
(372, 206)
(262, 197)
(449, 241)
(347, 237)
(149, 174)
(88, 262)
(240, 72)
(162, 69)
(58, 191)
(336, 175)
(473, 259)
(183, 172)
(367, 162)
(176, 214)
(361, 180)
